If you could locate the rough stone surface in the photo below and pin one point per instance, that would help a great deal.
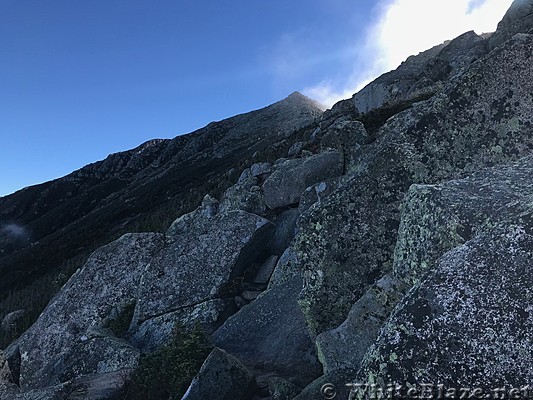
(245, 195)
(518, 19)
(282, 389)
(222, 377)
(290, 178)
(347, 136)
(286, 268)
(338, 379)
(348, 242)
(260, 169)
(108, 280)
(422, 75)
(93, 356)
(344, 347)
(314, 194)
(156, 331)
(275, 334)
(197, 265)
(469, 322)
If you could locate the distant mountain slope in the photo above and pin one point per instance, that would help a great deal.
(144, 188)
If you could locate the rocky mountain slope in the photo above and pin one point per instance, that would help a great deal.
(387, 241)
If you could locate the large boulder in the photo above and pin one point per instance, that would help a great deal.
(465, 245)
(246, 195)
(109, 280)
(200, 263)
(290, 178)
(100, 355)
(468, 323)
(221, 377)
(269, 335)
(347, 242)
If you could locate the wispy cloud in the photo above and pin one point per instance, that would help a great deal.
(404, 28)
(14, 231)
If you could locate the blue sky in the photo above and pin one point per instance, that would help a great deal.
(81, 79)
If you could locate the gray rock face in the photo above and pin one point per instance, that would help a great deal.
(245, 195)
(315, 194)
(518, 19)
(348, 242)
(462, 331)
(111, 276)
(93, 356)
(286, 268)
(285, 186)
(274, 333)
(154, 332)
(265, 271)
(281, 389)
(466, 328)
(5, 372)
(6, 378)
(347, 136)
(344, 347)
(422, 75)
(197, 265)
(222, 377)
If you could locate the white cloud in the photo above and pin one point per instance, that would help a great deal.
(407, 27)
(14, 230)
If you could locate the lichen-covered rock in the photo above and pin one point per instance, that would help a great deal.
(282, 389)
(221, 377)
(92, 356)
(207, 210)
(270, 335)
(109, 279)
(286, 268)
(345, 346)
(198, 264)
(437, 218)
(6, 378)
(315, 193)
(260, 169)
(469, 322)
(347, 136)
(422, 75)
(347, 243)
(518, 19)
(245, 195)
(290, 178)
